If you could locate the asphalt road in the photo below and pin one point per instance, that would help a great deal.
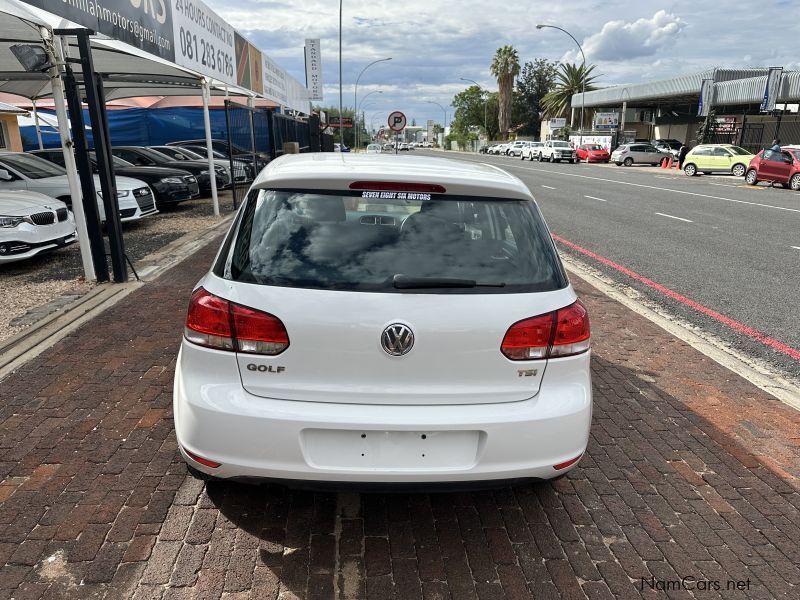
(710, 240)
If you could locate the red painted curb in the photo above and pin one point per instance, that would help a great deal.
(733, 324)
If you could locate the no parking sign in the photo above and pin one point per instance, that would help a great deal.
(397, 121)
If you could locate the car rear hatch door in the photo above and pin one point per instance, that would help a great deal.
(337, 352)
(392, 299)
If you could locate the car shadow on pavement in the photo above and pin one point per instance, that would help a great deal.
(660, 495)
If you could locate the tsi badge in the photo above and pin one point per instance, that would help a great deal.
(265, 368)
(527, 372)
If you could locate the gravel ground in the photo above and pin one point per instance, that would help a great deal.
(43, 279)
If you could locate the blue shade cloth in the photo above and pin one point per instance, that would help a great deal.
(156, 126)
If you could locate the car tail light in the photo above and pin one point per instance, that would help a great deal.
(203, 461)
(217, 323)
(564, 465)
(572, 331)
(564, 332)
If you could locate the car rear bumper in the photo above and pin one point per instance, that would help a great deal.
(254, 437)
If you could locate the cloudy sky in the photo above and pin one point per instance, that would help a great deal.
(435, 42)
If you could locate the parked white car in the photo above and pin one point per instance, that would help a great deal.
(500, 149)
(556, 151)
(21, 171)
(452, 346)
(374, 149)
(533, 151)
(516, 148)
(31, 223)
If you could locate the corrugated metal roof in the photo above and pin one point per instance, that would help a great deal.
(751, 90)
(684, 85)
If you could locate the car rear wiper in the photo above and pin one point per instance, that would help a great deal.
(407, 282)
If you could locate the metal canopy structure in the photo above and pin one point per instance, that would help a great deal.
(677, 90)
(125, 71)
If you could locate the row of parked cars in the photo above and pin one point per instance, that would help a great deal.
(35, 198)
(777, 167)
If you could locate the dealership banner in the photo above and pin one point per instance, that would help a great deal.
(204, 41)
(706, 97)
(144, 24)
(772, 89)
(314, 69)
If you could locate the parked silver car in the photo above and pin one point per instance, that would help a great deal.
(629, 154)
(22, 171)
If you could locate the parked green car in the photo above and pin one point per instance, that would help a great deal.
(717, 158)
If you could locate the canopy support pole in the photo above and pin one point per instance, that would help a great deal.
(36, 123)
(209, 147)
(69, 158)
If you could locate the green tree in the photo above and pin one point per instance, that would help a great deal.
(505, 68)
(569, 81)
(536, 79)
(469, 110)
(703, 133)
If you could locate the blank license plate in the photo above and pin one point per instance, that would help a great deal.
(390, 450)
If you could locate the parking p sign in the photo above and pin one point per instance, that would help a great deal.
(397, 121)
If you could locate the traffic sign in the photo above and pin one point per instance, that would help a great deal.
(397, 121)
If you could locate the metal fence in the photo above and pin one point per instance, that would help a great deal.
(287, 129)
(759, 135)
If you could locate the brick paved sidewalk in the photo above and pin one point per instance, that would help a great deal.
(691, 472)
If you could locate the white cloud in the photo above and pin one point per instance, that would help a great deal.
(435, 42)
(621, 40)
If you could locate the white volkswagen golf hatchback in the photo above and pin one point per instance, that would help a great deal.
(375, 320)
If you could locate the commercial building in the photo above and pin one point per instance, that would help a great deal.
(675, 108)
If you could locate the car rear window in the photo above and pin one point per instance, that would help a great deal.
(362, 241)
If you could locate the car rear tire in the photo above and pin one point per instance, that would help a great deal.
(690, 170)
(752, 177)
(738, 170)
(628, 162)
(794, 182)
(619, 164)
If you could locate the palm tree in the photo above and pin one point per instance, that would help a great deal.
(569, 81)
(505, 67)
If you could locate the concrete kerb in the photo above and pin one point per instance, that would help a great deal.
(756, 372)
(43, 334)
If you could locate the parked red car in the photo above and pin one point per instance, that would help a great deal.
(592, 153)
(778, 167)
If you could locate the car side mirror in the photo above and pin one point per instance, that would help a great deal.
(5, 175)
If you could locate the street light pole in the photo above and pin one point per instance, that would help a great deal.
(355, 93)
(583, 78)
(485, 104)
(356, 108)
(341, 116)
(444, 124)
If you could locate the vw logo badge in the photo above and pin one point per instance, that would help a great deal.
(397, 339)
